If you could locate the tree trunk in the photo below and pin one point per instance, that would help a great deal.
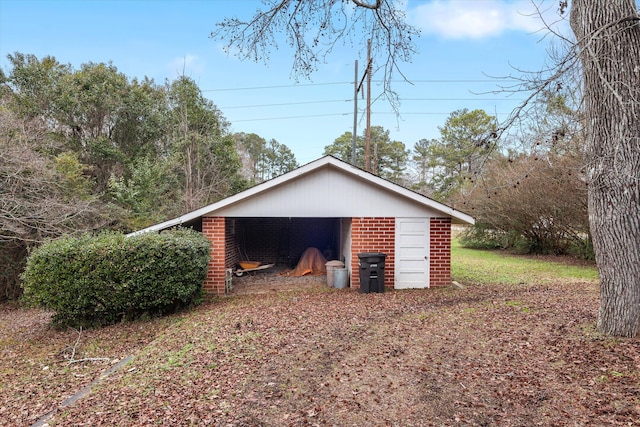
(608, 36)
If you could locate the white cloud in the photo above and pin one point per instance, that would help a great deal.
(475, 19)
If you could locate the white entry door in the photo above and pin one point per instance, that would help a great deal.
(412, 253)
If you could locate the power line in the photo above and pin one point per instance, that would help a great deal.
(373, 81)
(349, 100)
(285, 103)
(459, 99)
(346, 114)
(291, 117)
(417, 114)
(462, 81)
(346, 100)
(273, 87)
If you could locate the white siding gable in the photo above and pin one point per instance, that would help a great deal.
(327, 192)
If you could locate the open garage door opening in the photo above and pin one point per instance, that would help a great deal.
(282, 241)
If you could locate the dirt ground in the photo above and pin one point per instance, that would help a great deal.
(525, 355)
(274, 279)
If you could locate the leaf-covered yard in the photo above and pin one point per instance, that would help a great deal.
(514, 355)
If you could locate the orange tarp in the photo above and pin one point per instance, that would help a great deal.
(311, 262)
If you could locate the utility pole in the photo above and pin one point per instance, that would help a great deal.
(367, 74)
(367, 153)
(355, 116)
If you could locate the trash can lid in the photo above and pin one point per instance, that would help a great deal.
(335, 263)
(371, 254)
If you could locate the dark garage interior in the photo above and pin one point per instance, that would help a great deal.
(280, 241)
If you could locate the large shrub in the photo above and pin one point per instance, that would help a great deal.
(96, 280)
(534, 204)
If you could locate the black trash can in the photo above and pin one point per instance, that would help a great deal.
(371, 271)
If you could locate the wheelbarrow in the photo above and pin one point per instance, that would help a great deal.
(248, 266)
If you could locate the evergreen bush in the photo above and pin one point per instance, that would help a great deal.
(94, 280)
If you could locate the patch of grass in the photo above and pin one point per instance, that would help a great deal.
(518, 305)
(479, 267)
(180, 357)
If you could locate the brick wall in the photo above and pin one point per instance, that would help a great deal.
(440, 252)
(373, 235)
(214, 229)
(231, 242)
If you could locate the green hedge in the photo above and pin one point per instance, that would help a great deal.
(95, 280)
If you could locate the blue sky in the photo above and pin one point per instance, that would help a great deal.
(464, 43)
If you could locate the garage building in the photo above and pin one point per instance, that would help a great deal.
(337, 208)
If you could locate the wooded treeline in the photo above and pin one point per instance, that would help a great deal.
(90, 148)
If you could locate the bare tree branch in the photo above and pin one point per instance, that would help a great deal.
(34, 202)
(314, 27)
(72, 356)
